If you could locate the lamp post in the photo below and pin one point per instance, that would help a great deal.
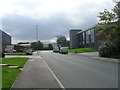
(37, 37)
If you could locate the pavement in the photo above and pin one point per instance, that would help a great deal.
(95, 55)
(12, 56)
(36, 74)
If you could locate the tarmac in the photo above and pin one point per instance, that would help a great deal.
(36, 73)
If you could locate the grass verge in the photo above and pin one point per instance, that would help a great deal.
(17, 53)
(9, 75)
(17, 61)
(81, 50)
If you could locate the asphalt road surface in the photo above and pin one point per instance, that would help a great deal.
(78, 71)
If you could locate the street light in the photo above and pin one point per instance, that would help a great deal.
(37, 37)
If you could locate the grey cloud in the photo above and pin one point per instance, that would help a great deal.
(23, 27)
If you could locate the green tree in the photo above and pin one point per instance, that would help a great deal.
(40, 45)
(110, 23)
(106, 17)
(61, 41)
(117, 10)
(117, 25)
(109, 26)
(50, 46)
(37, 45)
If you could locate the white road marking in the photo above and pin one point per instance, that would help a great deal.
(31, 60)
(61, 85)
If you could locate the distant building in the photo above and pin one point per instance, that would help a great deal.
(45, 45)
(85, 39)
(9, 48)
(74, 40)
(22, 47)
(5, 39)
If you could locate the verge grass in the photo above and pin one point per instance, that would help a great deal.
(17, 53)
(17, 61)
(9, 75)
(81, 50)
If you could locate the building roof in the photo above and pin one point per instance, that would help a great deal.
(23, 44)
(75, 30)
(5, 33)
(89, 28)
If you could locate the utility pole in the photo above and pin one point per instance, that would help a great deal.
(37, 37)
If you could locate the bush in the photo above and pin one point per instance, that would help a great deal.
(110, 48)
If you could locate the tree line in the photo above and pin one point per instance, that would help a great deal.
(40, 46)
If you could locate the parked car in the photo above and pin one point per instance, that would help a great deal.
(64, 50)
(9, 50)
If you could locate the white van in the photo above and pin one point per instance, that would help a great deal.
(56, 49)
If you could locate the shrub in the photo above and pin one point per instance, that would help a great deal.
(110, 48)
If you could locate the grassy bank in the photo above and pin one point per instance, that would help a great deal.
(9, 75)
(17, 53)
(81, 50)
(19, 61)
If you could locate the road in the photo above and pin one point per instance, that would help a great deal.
(78, 71)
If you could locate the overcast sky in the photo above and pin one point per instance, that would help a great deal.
(53, 17)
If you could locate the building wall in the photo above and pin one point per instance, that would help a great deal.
(5, 39)
(74, 40)
(80, 39)
(90, 39)
(0, 37)
(0, 41)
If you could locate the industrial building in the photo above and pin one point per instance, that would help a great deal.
(22, 47)
(85, 38)
(5, 39)
(74, 39)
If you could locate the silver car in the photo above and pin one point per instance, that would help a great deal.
(64, 50)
